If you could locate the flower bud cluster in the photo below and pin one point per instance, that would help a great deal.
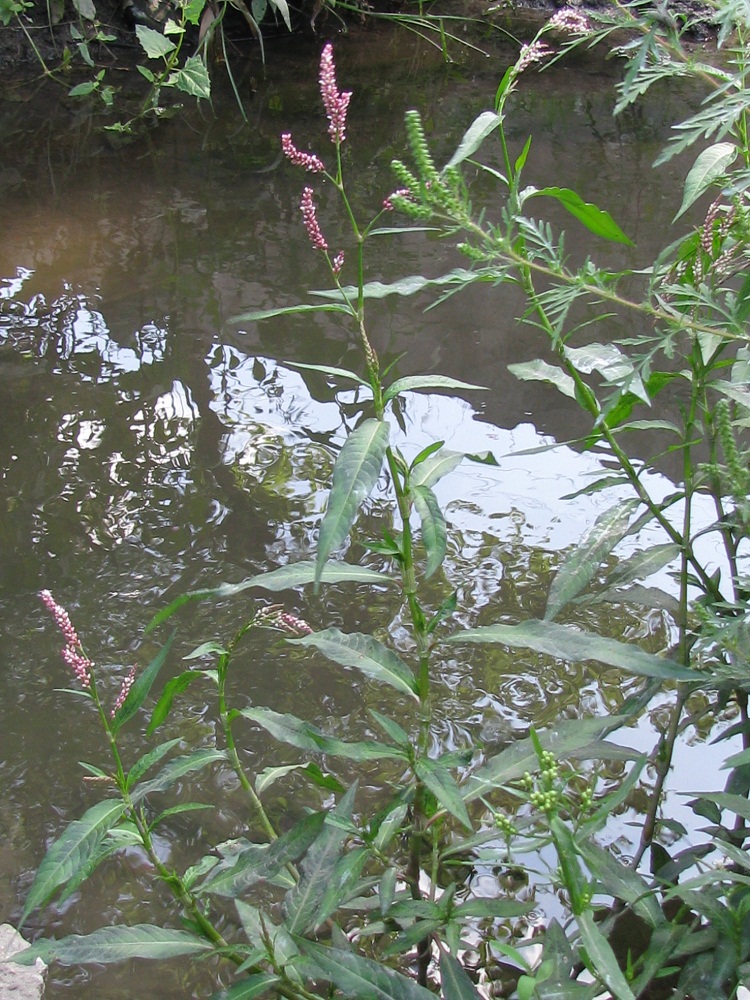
(335, 102)
(310, 218)
(309, 161)
(275, 617)
(72, 652)
(124, 691)
(571, 21)
(531, 53)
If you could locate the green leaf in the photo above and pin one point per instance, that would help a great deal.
(261, 314)
(622, 882)
(361, 978)
(540, 371)
(283, 8)
(84, 89)
(495, 909)
(192, 78)
(364, 653)
(737, 804)
(482, 126)
(454, 980)
(443, 786)
(643, 564)
(302, 903)
(355, 474)
(284, 578)
(601, 957)
(389, 726)
(303, 735)
(329, 370)
(567, 643)
(343, 884)
(183, 807)
(171, 689)
(434, 467)
(140, 689)
(153, 43)
(709, 167)
(148, 760)
(115, 944)
(71, 851)
(248, 988)
(597, 221)
(178, 768)
(614, 367)
(434, 533)
(205, 649)
(582, 563)
(86, 9)
(410, 285)
(413, 382)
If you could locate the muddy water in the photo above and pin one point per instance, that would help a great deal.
(152, 445)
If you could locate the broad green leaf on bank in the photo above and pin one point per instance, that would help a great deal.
(602, 960)
(303, 735)
(140, 689)
(192, 78)
(358, 977)
(153, 43)
(71, 852)
(567, 643)
(411, 383)
(596, 220)
(302, 904)
(541, 371)
(482, 126)
(568, 738)
(261, 314)
(295, 574)
(329, 370)
(710, 166)
(115, 944)
(364, 653)
(355, 474)
(585, 559)
(434, 531)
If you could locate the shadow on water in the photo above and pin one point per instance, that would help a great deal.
(150, 445)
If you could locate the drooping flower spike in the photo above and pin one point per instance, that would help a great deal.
(309, 161)
(72, 652)
(310, 217)
(335, 102)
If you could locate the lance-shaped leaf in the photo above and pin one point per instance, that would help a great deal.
(409, 285)
(178, 768)
(171, 689)
(601, 958)
(434, 532)
(148, 760)
(709, 167)
(248, 988)
(434, 467)
(354, 477)
(454, 980)
(596, 220)
(329, 370)
(140, 689)
(359, 977)
(582, 563)
(289, 729)
(622, 882)
(260, 314)
(567, 643)
(284, 578)
(643, 564)
(482, 126)
(443, 786)
(302, 903)
(541, 371)
(364, 653)
(115, 944)
(71, 851)
(413, 382)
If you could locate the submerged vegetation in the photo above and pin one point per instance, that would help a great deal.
(372, 895)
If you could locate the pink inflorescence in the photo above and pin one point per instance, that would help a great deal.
(310, 217)
(124, 691)
(401, 193)
(72, 652)
(532, 53)
(309, 161)
(570, 20)
(338, 262)
(335, 102)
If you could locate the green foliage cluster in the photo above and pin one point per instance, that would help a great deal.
(346, 904)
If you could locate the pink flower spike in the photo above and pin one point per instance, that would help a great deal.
(532, 53)
(124, 692)
(72, 652)
(571, 21)
(310, 217)
(335, 103)
(338, 262)
(307, 160)
(388, 205)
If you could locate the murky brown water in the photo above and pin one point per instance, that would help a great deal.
(150, 445)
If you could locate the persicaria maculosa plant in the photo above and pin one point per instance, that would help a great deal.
(353, 899)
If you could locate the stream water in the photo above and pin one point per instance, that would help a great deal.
(151, 445)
